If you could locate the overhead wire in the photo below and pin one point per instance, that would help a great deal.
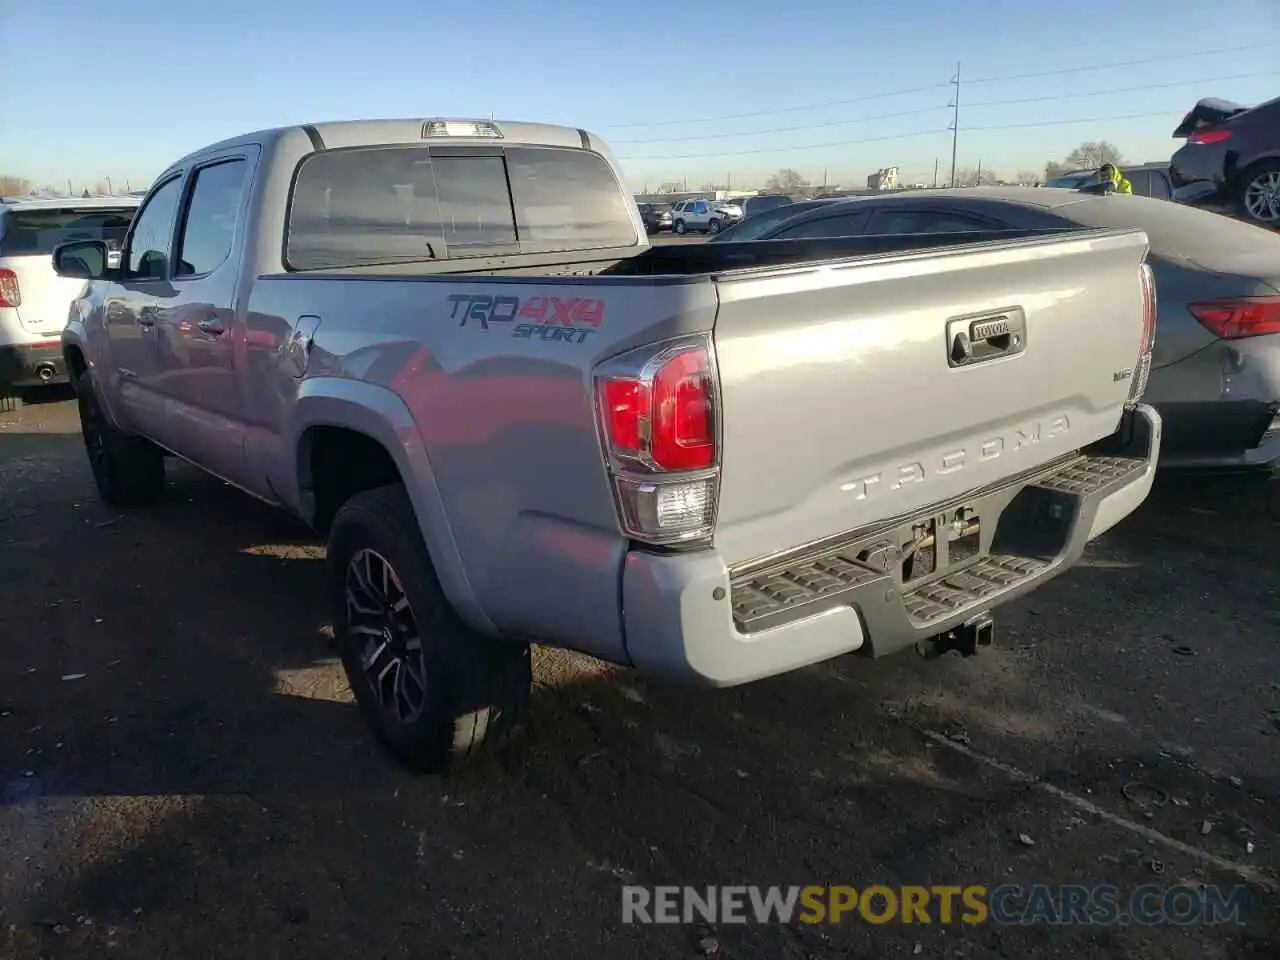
(795, 108)
(923, 110)
(898, 136)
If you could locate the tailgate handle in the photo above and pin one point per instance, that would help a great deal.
(991, 336)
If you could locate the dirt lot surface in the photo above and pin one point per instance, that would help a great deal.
(183, 774)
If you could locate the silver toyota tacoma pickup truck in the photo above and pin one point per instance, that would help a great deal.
(448, 346)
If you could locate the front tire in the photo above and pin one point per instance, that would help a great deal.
(713, 227)
(679, 228)
(436, 693)
(127, 470)
(1258, 194)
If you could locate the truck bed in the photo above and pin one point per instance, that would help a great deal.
(686, 260)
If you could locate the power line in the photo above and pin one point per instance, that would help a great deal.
(804, 126)
(802, 146)
(1099, 93)
(1123, 63)
(900, 136)
(940, 86)
(758, 132)
(770, 113)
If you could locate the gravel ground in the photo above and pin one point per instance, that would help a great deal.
(183, 773)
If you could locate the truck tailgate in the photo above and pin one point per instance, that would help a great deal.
(858, 392)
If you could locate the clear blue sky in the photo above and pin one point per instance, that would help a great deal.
(98, 89)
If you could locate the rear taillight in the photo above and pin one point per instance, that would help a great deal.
(1234, 318)
(1143, 371)
(1209, 136)
(10, 295)
(657, 411)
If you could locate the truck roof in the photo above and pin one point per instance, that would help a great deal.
(358, 133)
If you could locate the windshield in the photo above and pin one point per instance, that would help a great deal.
(36, 232)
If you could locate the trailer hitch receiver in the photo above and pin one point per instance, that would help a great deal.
(965, 639)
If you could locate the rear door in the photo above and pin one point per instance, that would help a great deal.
(26, 247)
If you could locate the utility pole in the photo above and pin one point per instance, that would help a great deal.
(935, 173)
(69, 190)
(979, 183)
(955, 123)
(110, 189)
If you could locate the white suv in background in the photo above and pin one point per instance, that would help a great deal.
(33, 299)
(705, 216)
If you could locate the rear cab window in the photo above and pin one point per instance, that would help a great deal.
(389, 204)
(35, 232)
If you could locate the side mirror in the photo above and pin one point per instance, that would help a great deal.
(81, 260)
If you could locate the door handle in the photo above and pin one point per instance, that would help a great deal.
(973, 340)
(211, 326)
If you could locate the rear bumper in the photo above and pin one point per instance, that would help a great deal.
(1228, 436)
(690, 619)
(32, 365)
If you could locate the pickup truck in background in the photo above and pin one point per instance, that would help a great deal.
(448, 346)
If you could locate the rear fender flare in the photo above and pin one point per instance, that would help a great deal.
(381, 415)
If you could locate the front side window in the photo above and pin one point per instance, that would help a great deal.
(210, 226)
(924, 221)
(844, 225)
(153, 234)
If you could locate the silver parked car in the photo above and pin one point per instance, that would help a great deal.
(1216, 365)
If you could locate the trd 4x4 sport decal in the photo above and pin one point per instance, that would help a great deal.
(563, 319)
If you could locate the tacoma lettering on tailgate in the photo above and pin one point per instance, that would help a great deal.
(953, 461)
(563, 319)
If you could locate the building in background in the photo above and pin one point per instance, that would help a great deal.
(886, 178)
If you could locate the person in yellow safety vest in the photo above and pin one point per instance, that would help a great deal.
(1109, 171)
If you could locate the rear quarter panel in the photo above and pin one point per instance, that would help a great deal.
(505, 413)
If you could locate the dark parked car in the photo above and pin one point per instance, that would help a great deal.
(753, 206)
(1231, 158)
(656, 216)
(1148, 179)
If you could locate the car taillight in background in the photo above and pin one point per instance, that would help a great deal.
(10, 295)
(1234, 318)
(1143, 371)
(1208, 136)
(657, 411)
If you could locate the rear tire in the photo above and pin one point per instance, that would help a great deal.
(436, 693)
(678, 228)
(1256, 184)
(127, 470)
(713, 227)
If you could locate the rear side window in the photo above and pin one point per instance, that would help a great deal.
(397, 204)
(36, 232)
(211, 218)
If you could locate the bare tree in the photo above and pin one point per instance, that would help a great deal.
(11, 186)
(102, 189)
(1093, 154)
(1055, 168)
(1028, 177)
(671, 186)
(972, 177)
(784, 180)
